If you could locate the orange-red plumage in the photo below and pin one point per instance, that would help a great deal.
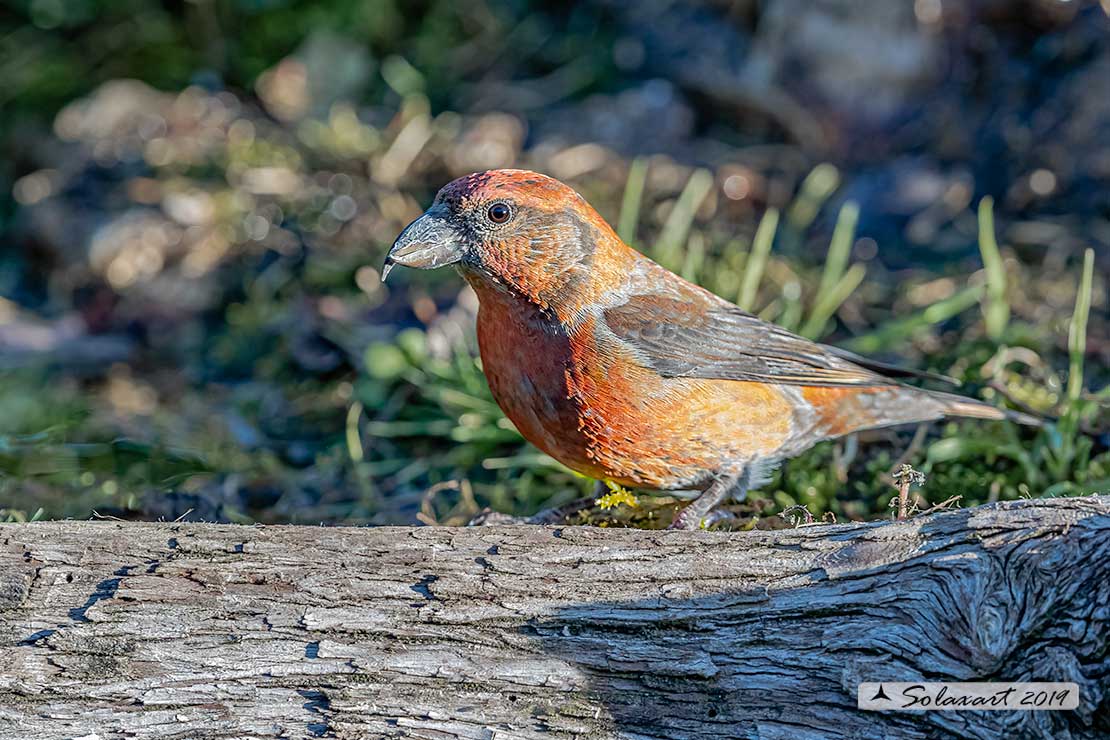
(624, 371)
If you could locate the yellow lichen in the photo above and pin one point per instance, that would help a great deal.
(618, 495)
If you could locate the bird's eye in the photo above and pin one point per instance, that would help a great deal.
(499, 213)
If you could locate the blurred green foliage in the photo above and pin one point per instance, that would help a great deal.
(298, 389)
(55, 50)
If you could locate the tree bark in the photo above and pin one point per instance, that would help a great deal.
(113, 630)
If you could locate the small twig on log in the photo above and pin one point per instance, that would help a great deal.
(465, 509)
(426, 515)
(942, 505)
(904, 478)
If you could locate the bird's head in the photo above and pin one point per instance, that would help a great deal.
(511, 229)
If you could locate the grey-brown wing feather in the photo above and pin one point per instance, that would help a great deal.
(890, 371)
(694, 340)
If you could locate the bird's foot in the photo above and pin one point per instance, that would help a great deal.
(702, 512)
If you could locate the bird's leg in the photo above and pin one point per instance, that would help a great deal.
(716, 516)
(734, 483)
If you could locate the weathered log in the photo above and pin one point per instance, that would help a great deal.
(115, 630)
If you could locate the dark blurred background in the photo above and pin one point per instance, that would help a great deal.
(196, 197)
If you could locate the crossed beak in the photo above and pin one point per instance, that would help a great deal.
(427, 243)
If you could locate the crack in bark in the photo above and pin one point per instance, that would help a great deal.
(105, 590)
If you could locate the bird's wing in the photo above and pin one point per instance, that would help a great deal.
(890, 371)
(691, 334)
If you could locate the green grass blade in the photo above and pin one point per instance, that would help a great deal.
(353, 438)
(997, 311)
(820, 183)
(828, 304)
(895, 331)
(632, 200)
(757, 260)
(836, 262)
(840, 248)
(681, 218)
(1066, 453)
(1077, 332)
(695, 258)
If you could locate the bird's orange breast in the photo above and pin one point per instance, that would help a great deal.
(525, 358)
(581, 398)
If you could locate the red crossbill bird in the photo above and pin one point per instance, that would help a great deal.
(624, 371)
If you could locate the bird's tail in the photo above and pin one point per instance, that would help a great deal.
(954, 405)
(840, 411)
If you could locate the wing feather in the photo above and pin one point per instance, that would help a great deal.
(706, 337)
